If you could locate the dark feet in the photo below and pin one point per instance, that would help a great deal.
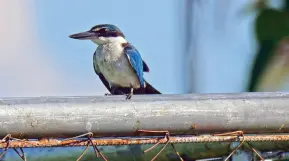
(128, 96)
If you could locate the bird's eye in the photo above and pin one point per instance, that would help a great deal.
(103, 30)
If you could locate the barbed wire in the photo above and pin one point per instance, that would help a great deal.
(87, 140)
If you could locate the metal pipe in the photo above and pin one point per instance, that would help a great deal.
(115, 116)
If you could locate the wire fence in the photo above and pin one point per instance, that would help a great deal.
(87, 140)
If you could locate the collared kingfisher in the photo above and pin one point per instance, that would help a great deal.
(118, 64)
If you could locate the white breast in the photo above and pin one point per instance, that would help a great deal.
(115, 67)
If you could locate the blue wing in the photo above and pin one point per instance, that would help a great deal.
(136, 62)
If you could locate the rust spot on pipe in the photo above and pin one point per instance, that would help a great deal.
(194, 126)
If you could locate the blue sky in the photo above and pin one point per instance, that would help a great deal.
(149, 25)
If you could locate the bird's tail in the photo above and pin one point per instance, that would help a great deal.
(149, 89)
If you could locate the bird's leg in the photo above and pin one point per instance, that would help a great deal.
(128, 96)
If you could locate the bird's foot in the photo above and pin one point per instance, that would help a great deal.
(108, 94)
(128, 96)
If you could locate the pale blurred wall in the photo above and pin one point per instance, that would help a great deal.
(28, 64)
(26, 69)
(223, 46)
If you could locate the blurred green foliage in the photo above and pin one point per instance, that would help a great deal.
(271, 26)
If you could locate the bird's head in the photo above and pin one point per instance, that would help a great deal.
(101, 34)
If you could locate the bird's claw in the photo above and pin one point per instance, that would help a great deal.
(107, 94)
(128, 96)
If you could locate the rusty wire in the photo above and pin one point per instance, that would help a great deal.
(235, 133)
(238, 133)
(87, 140)
(167, 138)
(7, 140)
(22, 155)
(259, 155)
(140, 140)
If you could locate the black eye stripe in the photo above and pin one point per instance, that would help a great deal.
(101, 30)
(107, 32)
(110, 34)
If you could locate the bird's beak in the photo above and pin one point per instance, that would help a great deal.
(88, 35)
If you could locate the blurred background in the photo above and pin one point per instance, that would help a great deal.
(191, 46)
(202, 46)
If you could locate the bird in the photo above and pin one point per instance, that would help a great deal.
(117, 62)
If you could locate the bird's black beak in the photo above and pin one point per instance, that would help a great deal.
(88, 35)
